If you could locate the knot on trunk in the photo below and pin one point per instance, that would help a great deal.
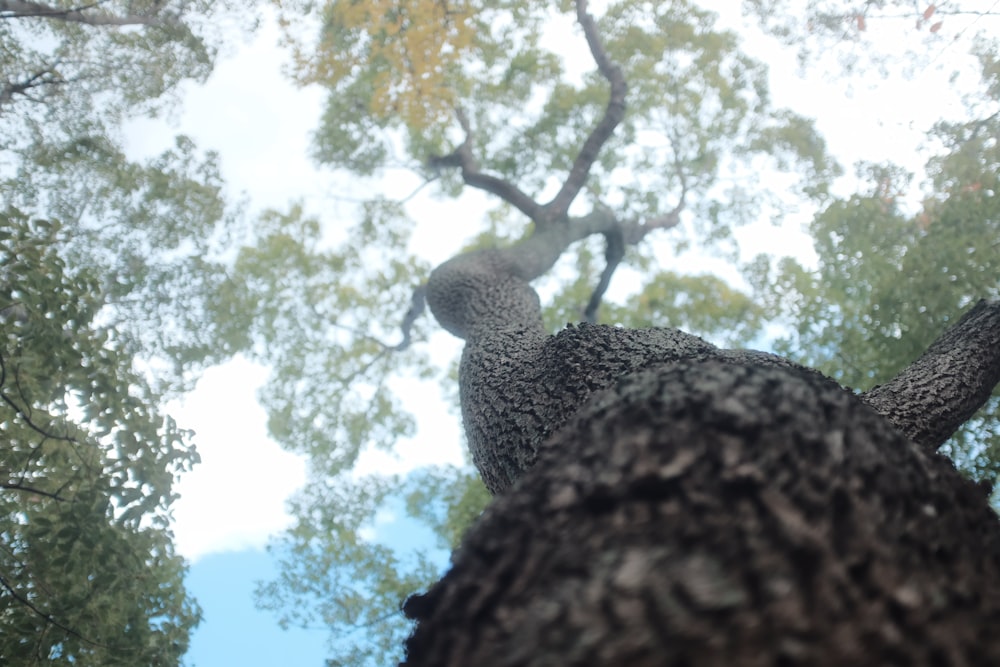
(480, 292)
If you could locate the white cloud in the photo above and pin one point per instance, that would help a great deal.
(259, 123)
(235, 498)
(254, 117)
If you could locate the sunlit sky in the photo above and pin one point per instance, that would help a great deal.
(260, 124)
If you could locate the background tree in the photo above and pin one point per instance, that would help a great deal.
(108, 272)
(855, 35)
(73, 75)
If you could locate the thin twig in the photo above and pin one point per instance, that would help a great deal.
(29, 489)
(47, 617)
(24, 413)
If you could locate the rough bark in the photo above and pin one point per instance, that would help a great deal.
(938, 392)
(712, 513)
(519, 385)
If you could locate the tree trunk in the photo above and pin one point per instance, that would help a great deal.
(723, 513)
(665, 502)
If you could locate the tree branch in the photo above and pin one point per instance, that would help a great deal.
(558, 207)
(618, 238)
(44, 616)
(613, 115)
(416, 310)
(30, 489)
(932, 397)
(463, 159)
(25, 413)
(45, 77)
(26, 9)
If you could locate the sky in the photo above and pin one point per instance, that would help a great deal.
(260, 124)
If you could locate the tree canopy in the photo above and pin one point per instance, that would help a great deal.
(88, 571)
(108, 274)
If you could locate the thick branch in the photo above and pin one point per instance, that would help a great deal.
(613, 115)
(480, 275)
(463, 159)
(932, 397)
(26, 9)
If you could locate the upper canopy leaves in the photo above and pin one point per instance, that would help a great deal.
(517, 81)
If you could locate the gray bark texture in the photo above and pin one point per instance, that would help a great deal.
(661, 501)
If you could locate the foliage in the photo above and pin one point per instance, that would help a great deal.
(693, 97)
(888, 282)
(70, 68)
(321, 316)
(148, 231)
(350, 582)
(411, 49)
(87, 568)
(101, 313)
